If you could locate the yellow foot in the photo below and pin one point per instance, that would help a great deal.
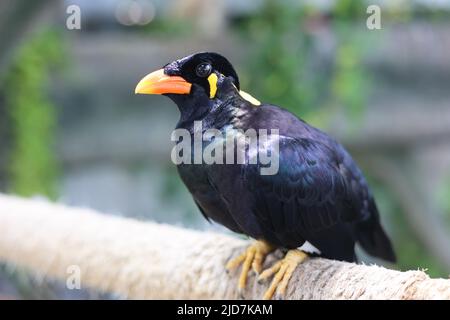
(282, 270)
(252, 257)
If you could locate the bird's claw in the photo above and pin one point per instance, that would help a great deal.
(252, 258)
(282, 271)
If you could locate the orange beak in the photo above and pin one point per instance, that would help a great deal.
(158, 83)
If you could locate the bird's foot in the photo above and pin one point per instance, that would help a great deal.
(282, 271)
(252, 257)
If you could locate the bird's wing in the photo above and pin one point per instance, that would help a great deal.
(313, 190)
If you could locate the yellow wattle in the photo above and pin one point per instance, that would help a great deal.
(212, 79)
(249, 98)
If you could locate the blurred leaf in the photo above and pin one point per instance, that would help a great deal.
(286, 69)
(443, 196)
(32, 165)
(411, 253)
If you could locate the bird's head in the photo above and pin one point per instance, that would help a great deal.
(194, 80)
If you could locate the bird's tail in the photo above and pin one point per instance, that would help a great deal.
(373, 239)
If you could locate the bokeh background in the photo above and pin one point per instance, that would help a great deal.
(72, 130)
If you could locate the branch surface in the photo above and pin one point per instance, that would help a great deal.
(146, 260)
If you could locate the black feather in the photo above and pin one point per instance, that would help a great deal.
(319, 194)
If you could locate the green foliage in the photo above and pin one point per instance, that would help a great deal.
(349, 9)
(443, 198)
(275, 70)
(32, 164)
(169, 28)
(350, 81)
(411, 253)
(284, 69)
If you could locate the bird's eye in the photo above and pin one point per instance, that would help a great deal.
(203, 70)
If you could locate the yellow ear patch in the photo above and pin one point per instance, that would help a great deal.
(212, 79)
(249, 98)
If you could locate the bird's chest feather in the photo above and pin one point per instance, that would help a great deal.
(206, 189)
(208, 171)
(207, 181)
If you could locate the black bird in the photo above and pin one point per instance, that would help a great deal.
(317, 201)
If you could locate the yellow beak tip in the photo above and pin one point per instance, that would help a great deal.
(158, 82)
(138, 88)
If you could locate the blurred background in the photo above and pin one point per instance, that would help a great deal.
(72, 130)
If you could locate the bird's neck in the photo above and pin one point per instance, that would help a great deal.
(191, 109)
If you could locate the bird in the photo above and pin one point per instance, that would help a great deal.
(317, 204)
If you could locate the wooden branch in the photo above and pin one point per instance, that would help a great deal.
(149, 260)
